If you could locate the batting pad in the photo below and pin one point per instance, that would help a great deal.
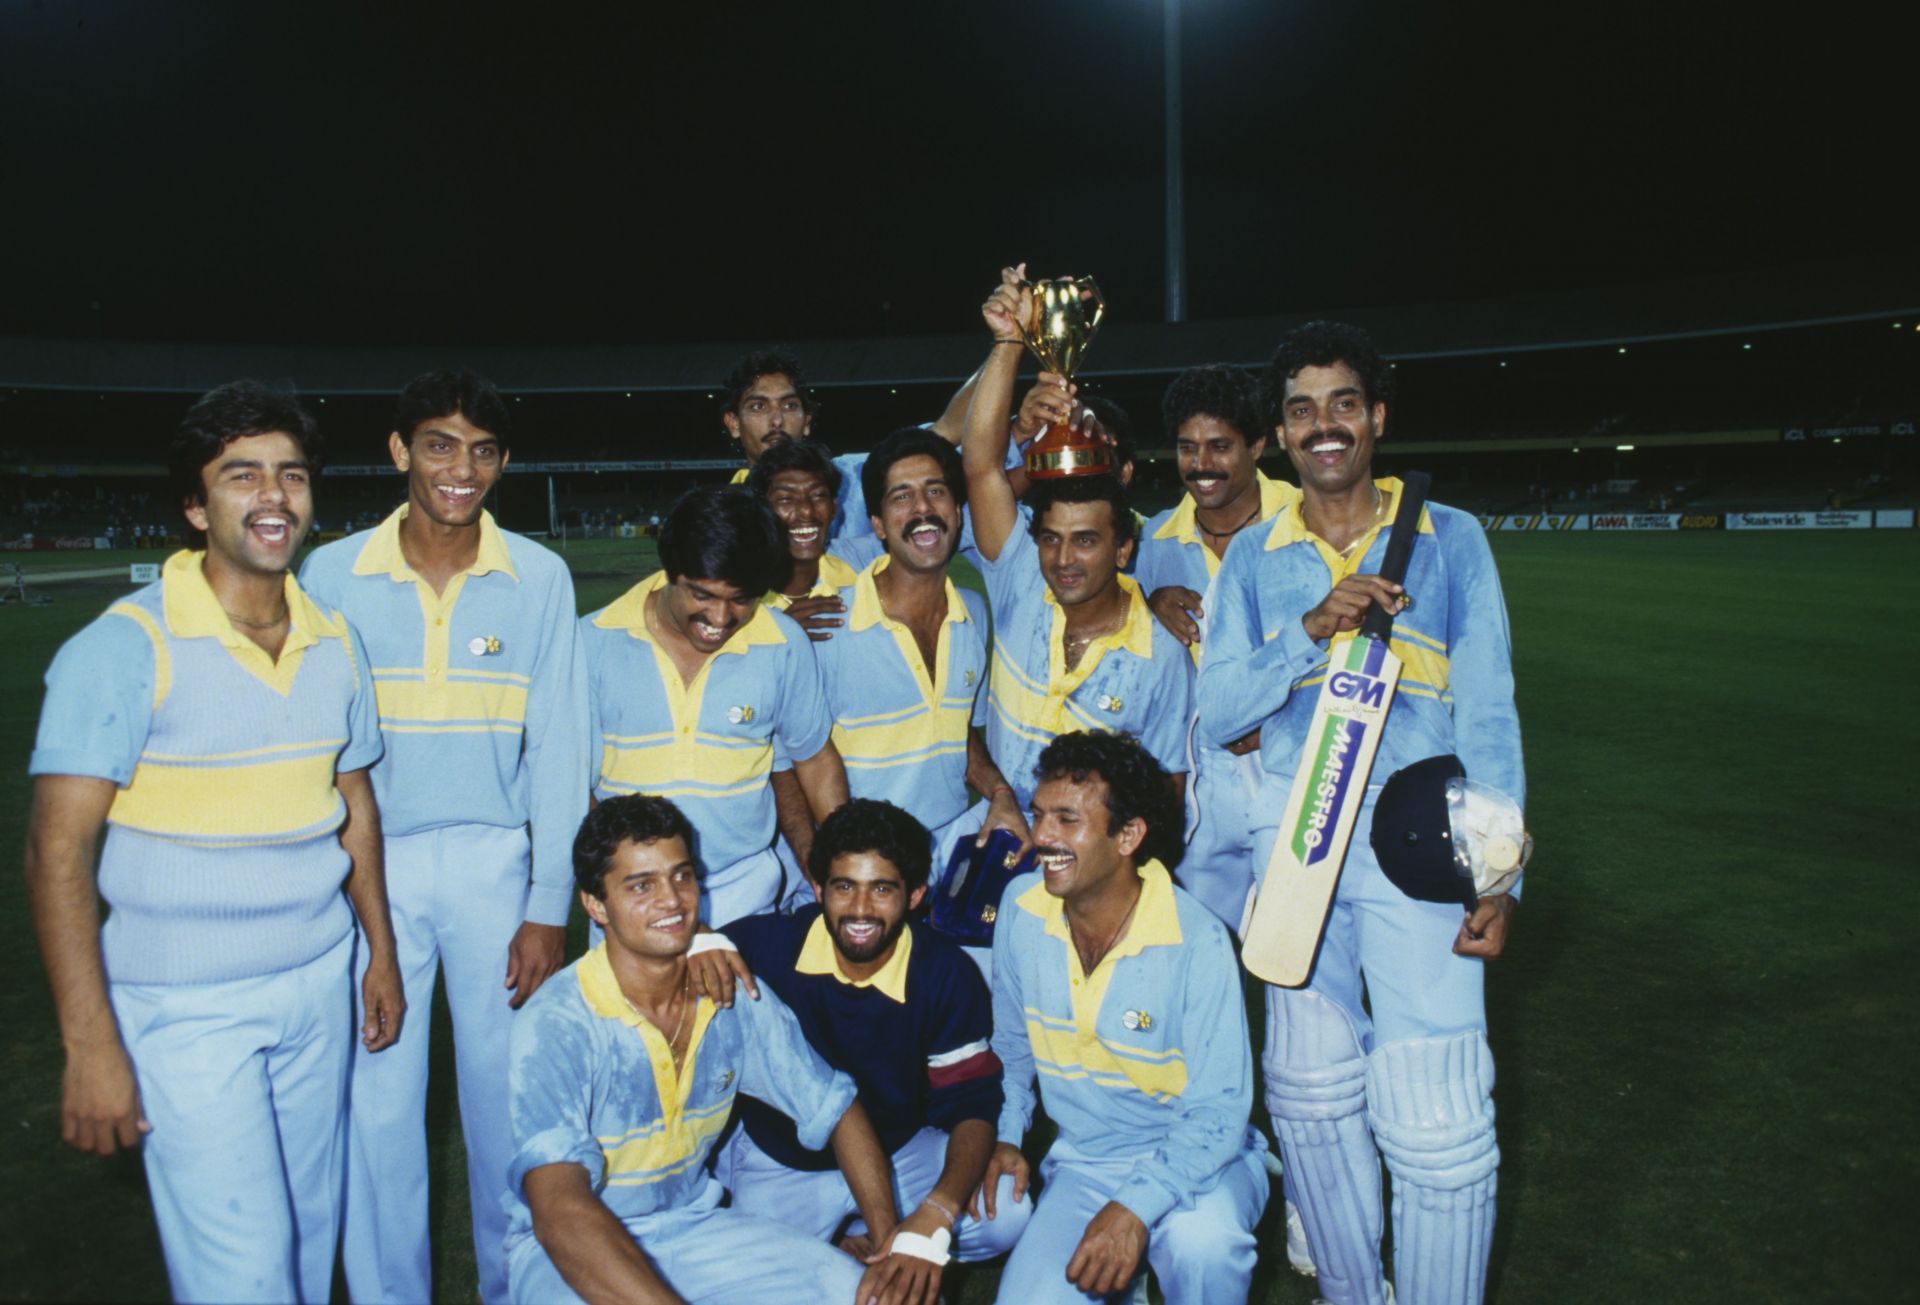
(1430, 1102)
(1316, 1094)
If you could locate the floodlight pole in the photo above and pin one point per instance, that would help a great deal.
(1176, 200)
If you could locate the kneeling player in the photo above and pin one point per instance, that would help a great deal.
(620, 1078)
(1124, 993)
(902, 1011)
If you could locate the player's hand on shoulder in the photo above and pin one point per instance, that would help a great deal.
(100, 1100)
(537, 950)
(818, 616)
(715, 971)
(1109, 1251)
(1346, 605)
(1484, 932)
(1176, 607)
(1006, 1159)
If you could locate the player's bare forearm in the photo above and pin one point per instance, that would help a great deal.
(952, 424)
(791, 814)
(969, 1147)
(990, 500)
(589, 1246)
(99, 1100)
(382, 996)
(983, 776)
(856, 1149)
(823, 778)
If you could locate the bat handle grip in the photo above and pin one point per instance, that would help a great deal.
(1406, 525)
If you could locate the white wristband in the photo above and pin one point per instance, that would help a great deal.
(711, 942)
(931, 1249)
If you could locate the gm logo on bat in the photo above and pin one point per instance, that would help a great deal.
(1361, 690)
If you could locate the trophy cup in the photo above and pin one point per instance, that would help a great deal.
(1066, 314)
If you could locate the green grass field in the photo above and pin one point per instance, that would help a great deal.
(1704, 1024)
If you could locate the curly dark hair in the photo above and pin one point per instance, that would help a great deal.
(231, 412)
(1322, 344)
(724, 532)
(909, 442)
(444, 393)
(1137, 786)
(764, 362)
(1218, 390)
(631, 817)
(794, 455)
(867, 825)
(1098, 488)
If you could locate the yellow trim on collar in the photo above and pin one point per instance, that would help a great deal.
(601, 990)
(382, 554)
(836, 573)
(1155, 923)
(817, 956)
(193, 612)
(1291, 528)
(740, 476)
(1274, 495)
(1136, 635)
(629, 612)
(867, 609)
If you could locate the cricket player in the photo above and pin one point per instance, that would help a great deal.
(219, 724)
(1406, 1073)
(621, 1079)
(1219, 434)
(1075, 645)
(695, 685)
(801, 482)
(905, 1014)
(482, 689)
(906, 678)
(1123, 994)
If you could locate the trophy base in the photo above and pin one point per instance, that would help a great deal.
(1060, 452)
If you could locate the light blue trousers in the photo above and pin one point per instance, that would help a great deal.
(710, 1256)
(1202, 1252)
(818, 1202)
(245, 1085)
(457, 896)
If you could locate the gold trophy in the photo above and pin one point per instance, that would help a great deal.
(1066, 314)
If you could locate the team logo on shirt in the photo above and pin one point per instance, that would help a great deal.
(1107, 702)
(1136, 1021)
(969, 678)
(726, 1080)
(739, 715)
(483, 645)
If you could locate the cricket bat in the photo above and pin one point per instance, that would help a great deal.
(1296, 889)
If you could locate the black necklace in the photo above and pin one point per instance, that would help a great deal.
(1227, 534)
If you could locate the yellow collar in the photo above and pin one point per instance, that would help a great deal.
(1274, 495)
(1291, 528)
(193, 612)
(382, 554)
(817, 956)
(740, 476)
(836, 573)
(867, 609)
(1136, 635)
(1155, 923)
(629, 612)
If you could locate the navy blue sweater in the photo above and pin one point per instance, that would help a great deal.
(924, 1061)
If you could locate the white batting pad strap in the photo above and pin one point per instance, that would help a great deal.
(931, 1249)
(711, 942)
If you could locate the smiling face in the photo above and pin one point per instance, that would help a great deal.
(805, 507)
(451, 464)
(1330, 428)
(706, 613)
(865, 903)
(1079, 552)
(770, 412)
(919, 520)
(1078, 856)
(257, 503)
(1216, 463)
(650, 898)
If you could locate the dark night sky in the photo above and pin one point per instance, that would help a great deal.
(719, 171)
